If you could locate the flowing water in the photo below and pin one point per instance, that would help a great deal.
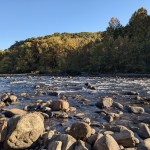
(74, 89)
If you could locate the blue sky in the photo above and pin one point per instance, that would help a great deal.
(21, 19)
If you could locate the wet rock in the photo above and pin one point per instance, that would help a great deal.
(12, 112)
(105, 102)
(55, 145)
(59, 105)
(89, 86)
(131, 93)
(144, 145)
(144, 131)
(118, 105)
(106, 142)
(81, 145)
(9, 98)
(4, 97)
(136, 110)
(79, 115)
(125, 138)
(24, 95)
(53, 93)
(3, 131)
(80, 130)
(68, 142)
(24, 131)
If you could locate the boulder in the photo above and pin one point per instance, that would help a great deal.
(144, 131)
(105, 102)
(59, 105)
(106, 142)
(80, 130)
(3, 131)
(81, 145)
(68, 142)
(24, 131)
(91, 140)
(15, 111)
(144, 145)
(125, 138)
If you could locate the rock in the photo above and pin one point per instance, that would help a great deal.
(111, 117)
(118, 128)
(53, 93)
(55, 145)
(136, 110)
(131, 93)
(3, 131)
(59, 105)
(73, 109)
(24, 131)
(8, 98)
(125, 138)
(68, 142)
(118, 105)
(105, 102)
(106, 142)
(109, 132)
(15, 111)
(24, 95)
(81, 145)
(145, 145)
(4, 97)
(80, 130)
(87, 120)
(2, 104)
(60, 114)
(91, 140)
(48, 136)
(12, 98)
(79, 115)
(144, 131)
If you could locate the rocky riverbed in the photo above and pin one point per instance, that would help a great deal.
(74, 113)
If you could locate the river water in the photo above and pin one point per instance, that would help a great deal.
(74, 89)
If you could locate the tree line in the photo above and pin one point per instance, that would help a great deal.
(119, 49)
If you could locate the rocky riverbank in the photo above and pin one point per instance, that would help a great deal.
(74, 113)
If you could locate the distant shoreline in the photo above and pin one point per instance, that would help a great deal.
(130, 75)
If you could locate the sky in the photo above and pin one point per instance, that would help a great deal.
(22, 19)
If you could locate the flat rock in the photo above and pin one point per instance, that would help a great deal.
(15, 111)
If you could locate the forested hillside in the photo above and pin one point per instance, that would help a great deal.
(119, 49)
